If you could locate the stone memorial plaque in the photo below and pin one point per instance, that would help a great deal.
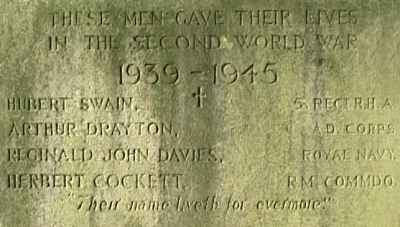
(217, 113)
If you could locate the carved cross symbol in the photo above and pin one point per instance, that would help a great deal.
(200, 95)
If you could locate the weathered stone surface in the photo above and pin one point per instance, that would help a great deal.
(199, 113)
